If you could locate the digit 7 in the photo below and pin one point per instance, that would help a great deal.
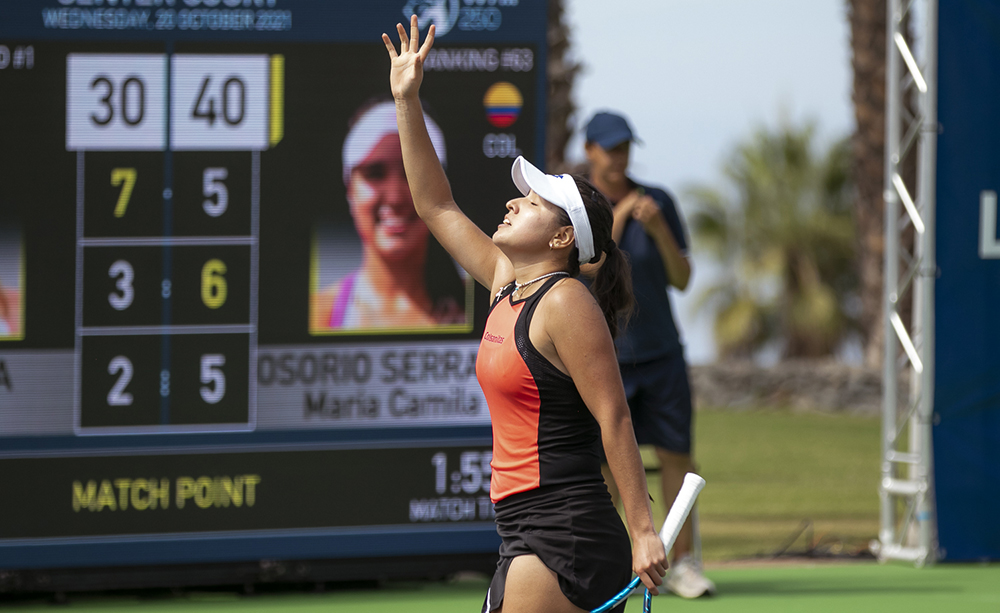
(126, 178)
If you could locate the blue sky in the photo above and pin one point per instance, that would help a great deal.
(697, 76)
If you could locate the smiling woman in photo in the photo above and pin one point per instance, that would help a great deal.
(401, 282)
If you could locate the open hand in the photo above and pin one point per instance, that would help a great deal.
(408, 65)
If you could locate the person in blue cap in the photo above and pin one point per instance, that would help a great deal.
(648, 226)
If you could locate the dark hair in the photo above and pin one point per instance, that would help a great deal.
(612, 286)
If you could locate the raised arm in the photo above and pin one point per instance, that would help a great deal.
(429, 187)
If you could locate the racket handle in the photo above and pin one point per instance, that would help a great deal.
(668, 534)
(680, 509)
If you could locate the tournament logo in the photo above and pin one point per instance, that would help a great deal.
(503, 104)
(442, 13)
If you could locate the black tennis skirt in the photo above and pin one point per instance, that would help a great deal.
(576, 531)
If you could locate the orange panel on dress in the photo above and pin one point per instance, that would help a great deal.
(513, 399)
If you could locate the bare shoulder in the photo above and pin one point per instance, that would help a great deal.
(575, 326)
(570, 288)
(321, 307)
(570, 302)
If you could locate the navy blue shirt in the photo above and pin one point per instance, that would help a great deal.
(651, 332)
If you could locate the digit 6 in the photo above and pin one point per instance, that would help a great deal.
(213, 283)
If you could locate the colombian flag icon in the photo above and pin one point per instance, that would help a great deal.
(503, 104)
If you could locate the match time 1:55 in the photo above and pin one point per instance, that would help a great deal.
(470, 476)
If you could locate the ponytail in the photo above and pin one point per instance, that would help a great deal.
(612, 286)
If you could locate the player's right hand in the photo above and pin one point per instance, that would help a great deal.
(649, 560)
(407, 69)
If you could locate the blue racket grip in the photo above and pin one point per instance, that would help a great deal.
(647, 602)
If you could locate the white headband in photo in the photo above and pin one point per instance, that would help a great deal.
(560, 190)
(372, 127)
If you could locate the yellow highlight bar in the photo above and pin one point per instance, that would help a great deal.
(277, 99)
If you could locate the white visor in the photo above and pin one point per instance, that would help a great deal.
(560, 190)
(372, 127)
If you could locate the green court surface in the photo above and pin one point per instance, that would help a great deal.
(821, 588)
(768, 471)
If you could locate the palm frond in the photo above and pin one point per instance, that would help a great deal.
(783, 225)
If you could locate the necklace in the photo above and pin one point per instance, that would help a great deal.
(520, 286)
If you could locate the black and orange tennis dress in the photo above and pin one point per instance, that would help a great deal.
(546, 482)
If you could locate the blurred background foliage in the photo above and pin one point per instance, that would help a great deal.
(781, 229)
(820, 282)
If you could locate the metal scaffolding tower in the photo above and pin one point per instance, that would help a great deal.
(908, 522)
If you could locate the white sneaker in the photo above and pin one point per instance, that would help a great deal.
(686, 579)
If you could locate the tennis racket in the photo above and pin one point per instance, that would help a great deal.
(679, 511)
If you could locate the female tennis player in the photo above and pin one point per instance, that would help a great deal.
(548, 370)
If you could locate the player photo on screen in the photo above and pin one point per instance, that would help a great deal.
(383, 273)
(11, 284)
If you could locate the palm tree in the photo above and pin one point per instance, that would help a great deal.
(561, 75)
(868, 60)
(785, 239)
(868, 31)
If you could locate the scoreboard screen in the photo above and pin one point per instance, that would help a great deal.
(224, 333)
